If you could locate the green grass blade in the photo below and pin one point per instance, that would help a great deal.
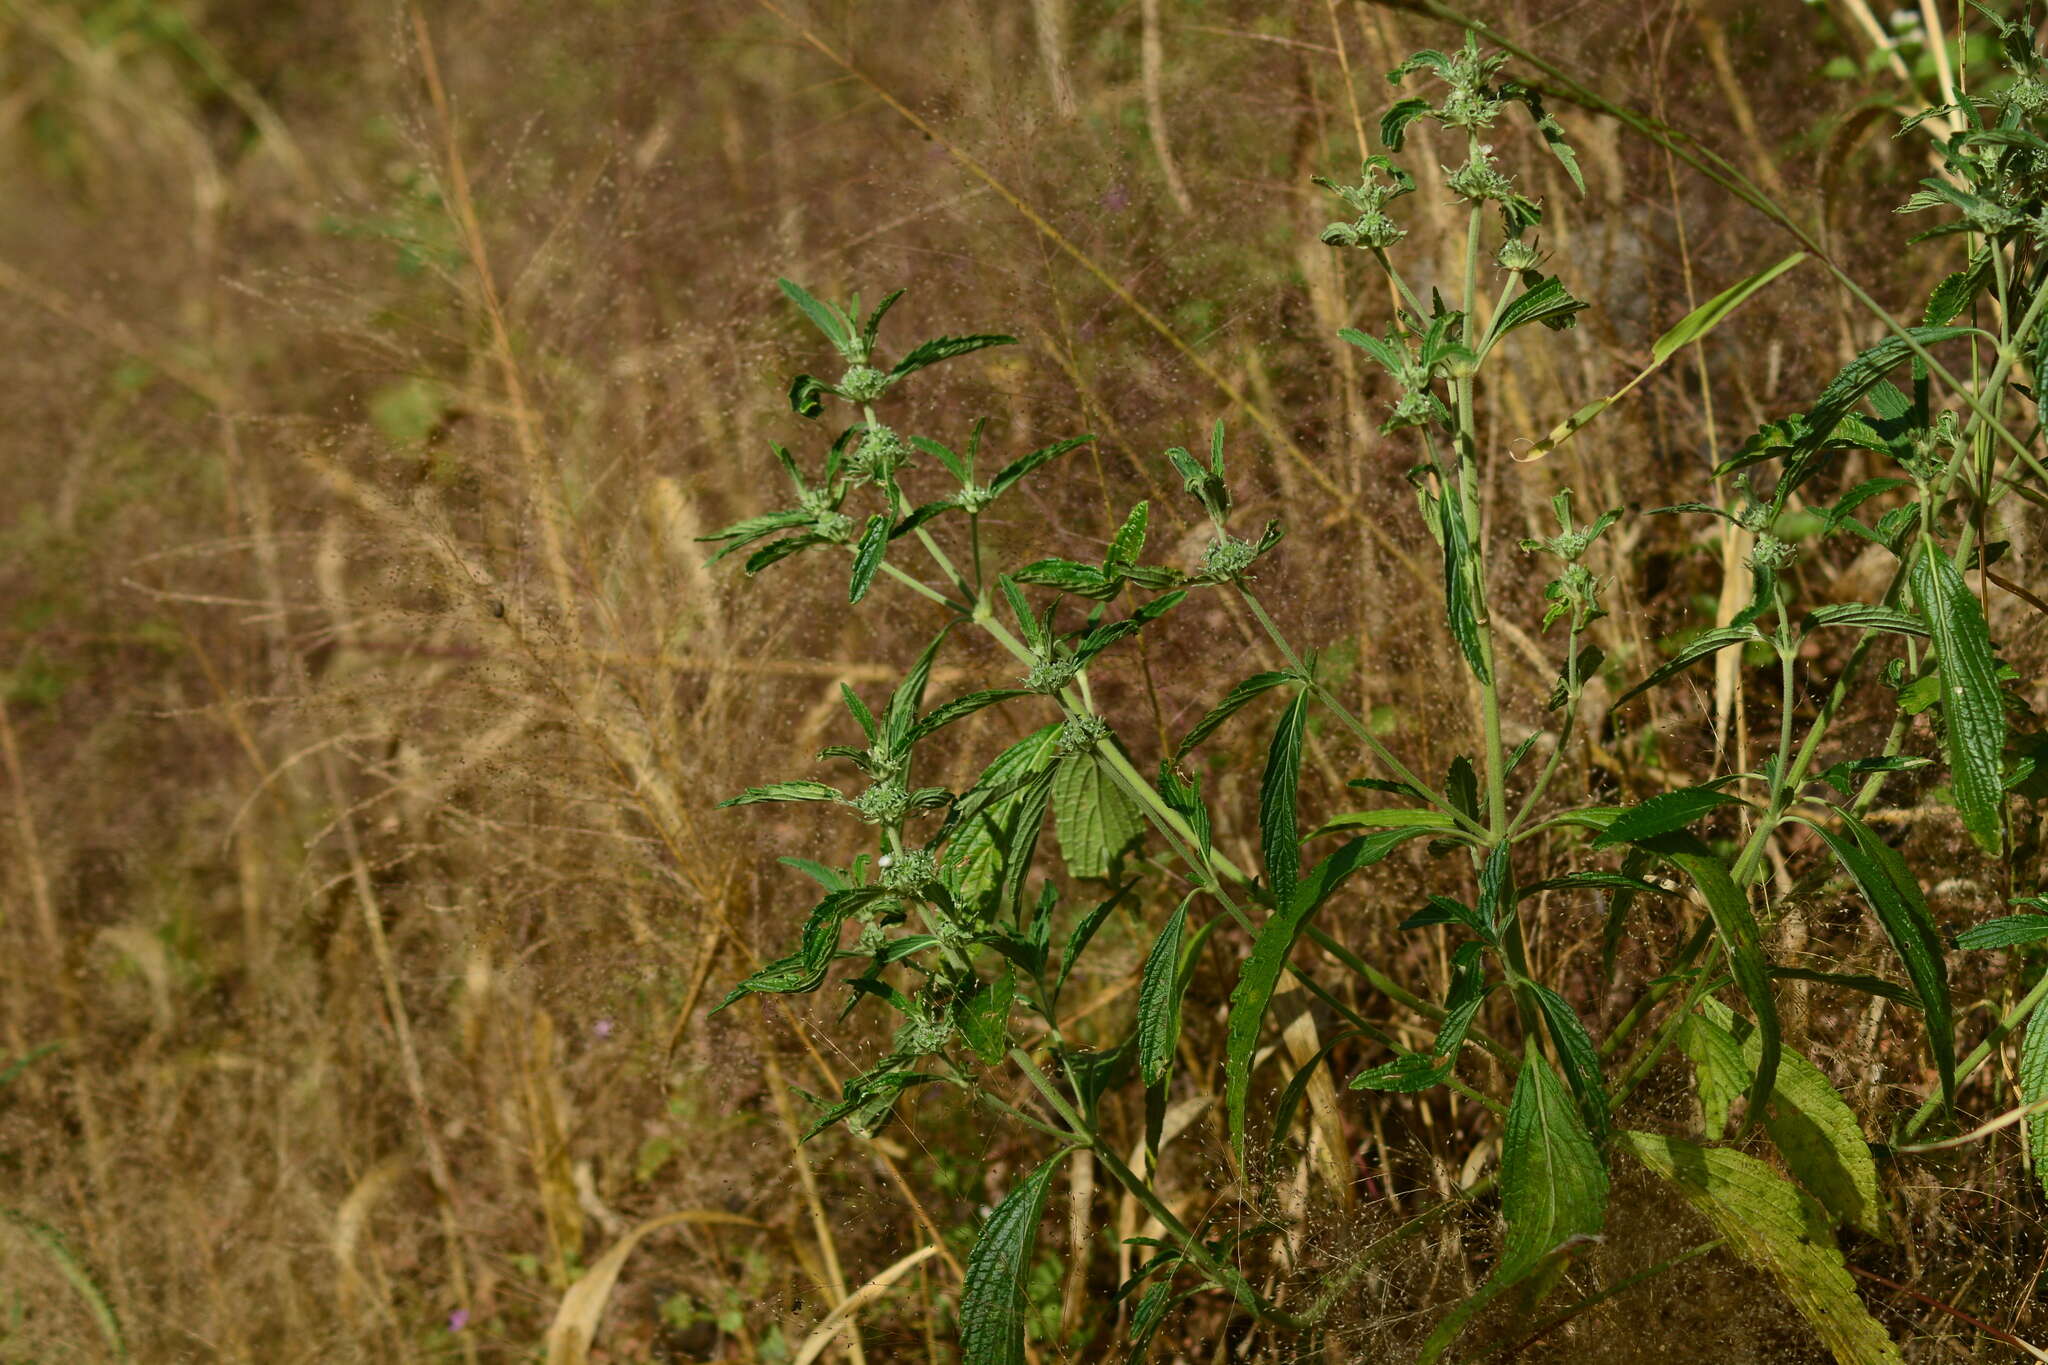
(59, 1253)
(1691, 328)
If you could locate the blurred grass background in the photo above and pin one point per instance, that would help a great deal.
(369, 373)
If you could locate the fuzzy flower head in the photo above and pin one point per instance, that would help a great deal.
(1371, 229)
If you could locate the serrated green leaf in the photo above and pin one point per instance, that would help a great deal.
(1461, 595)
(867, 557)
(1095, 817)
(1821, 1141)
(1416, 1071)
(984, 1017)
(1575, 1050)
(1270, 950)
(961, 707)
(782, 791)
(1889, 887)
(1772, 1225)
(822, 317)
(1066, 575)
(1383, 819)
(1394, 123)
(1736, 927)
(1972, 708)
(1553, 1191)
(976, 844)
(1842, 776)
(1279, 790)
(804, 970)
(1553, 1182)
(1701, 646)
(945, 348)
(1234, 701)
(775, 551)
(1184, 797)
(1159, 999)
(1661, 814)
(1129, 541)
(1615, 923)
(2033, 1079)
(1954, 293)
(1024, 464)
(1083, 933)
(992, 1297)
(1868, 618)
(1718, 1067)
(2007, 931)
(1546, 301)
(874, 322)
(744, 533)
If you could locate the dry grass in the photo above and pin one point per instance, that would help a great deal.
(370, 372)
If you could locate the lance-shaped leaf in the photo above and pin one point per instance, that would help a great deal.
(1717, 1066)
(1546, 301)
(1807, 1118)
(1661, 814)
(826, 318)
(782, 791)
(741, 534)
(1184, 797)
(1615, 924)
(1415, 1071)
(1234, 701)
(2034, 1089)
(945, 348)
(1279, 790)
(1461, 588)
(992, 1299)
(1082, 934)
(1575, 1050)
(1868, 618)
(1770, 1224)
(1701, 646)
(804, 970)
(1553, 1192)
(959, 708)
(1736, 927)
(1892, 891)
(1972, 709)
(1024, 464)
(1261, 971)
(1159, 999)
(867, 557)
(2007, 931)
(1863, 374)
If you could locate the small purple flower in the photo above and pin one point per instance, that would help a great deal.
(602, 1028)
(458, 1320)
(1118, 199)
